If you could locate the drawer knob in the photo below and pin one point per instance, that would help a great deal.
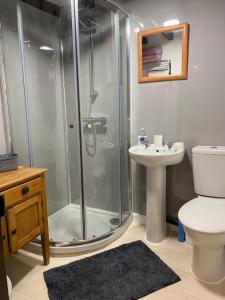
(25, 190)
(13, 232)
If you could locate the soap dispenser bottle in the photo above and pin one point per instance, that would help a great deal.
(142, 137)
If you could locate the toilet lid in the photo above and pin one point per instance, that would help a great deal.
(204, 214)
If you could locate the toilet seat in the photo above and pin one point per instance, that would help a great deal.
(204, 214)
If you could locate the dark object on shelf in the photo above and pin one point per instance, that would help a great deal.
(8, 162)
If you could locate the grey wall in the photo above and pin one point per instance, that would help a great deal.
(192, 110)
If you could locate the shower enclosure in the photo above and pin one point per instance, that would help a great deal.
(65, 85)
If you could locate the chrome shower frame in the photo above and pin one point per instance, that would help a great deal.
(96, 242)
(59, 248)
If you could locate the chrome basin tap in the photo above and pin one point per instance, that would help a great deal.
(170, 143)
(147, 143)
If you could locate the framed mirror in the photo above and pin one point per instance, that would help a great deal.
(163, 53)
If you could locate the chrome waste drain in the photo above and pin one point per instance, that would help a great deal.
(114, 221)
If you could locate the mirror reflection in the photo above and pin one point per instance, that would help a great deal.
(163, 53)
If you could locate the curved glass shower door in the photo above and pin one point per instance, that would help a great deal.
(104, 115)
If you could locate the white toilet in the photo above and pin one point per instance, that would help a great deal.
(204, 217)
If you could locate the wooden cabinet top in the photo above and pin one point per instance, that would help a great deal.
(20, 175)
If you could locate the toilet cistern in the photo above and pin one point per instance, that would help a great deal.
(155, 159)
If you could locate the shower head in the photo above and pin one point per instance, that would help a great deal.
(89, 26)
(89, 12)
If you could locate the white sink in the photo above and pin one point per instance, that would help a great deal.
(155, 159)
(157, 156)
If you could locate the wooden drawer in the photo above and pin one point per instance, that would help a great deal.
(4, 236)
(25, 222)
(20, 192)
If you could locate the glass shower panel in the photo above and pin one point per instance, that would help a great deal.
(100, 111)
(124, 115)
(47, 77)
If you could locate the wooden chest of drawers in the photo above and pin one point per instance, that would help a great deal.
(23, 209)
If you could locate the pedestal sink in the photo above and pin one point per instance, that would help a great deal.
(155, 159)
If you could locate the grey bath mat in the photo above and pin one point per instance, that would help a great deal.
(130, 271)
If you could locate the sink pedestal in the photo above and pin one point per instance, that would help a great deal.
(156, 204)
(155, 159)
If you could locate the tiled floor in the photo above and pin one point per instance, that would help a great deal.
(26, 271)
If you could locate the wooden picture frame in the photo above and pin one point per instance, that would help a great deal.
(142, 34)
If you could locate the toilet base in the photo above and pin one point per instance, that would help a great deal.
(204, 281)
(208, 264)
